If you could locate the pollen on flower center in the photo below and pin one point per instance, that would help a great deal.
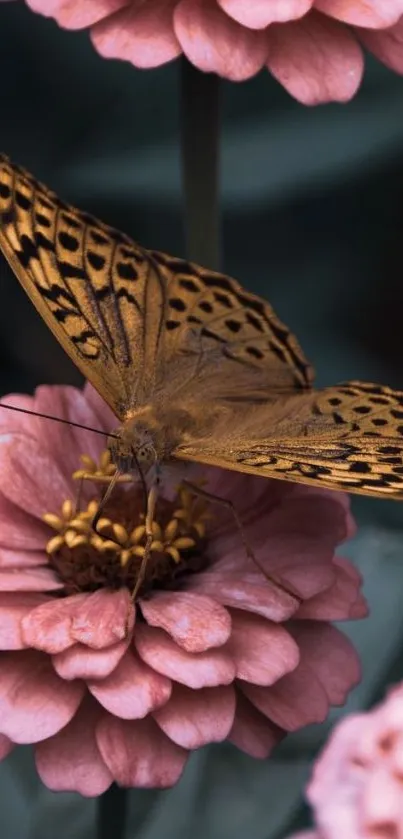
(86, 559)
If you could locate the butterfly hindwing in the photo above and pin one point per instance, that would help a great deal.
(345, 437)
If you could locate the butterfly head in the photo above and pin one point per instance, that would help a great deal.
(131, 448)
(139, 442)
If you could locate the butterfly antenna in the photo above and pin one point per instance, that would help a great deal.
(57, 419)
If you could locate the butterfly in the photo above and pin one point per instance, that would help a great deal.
(194, 367)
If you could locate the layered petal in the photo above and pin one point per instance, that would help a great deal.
(251, 731)
(316, 59)
(298, 699)
(262, 651)
(195, 622)
(13, 608)
(74, 14)
(341, 601)
(141, 33)
(386, 44)
(98, 620)
(81, 662)
(195, 670)
(34, 702)
(373, 14)
(310, 46)
(193, 718)
(70, 760)
(260, 13)
(246, 591)
(215, 43)
(132, 690)
(138, 754)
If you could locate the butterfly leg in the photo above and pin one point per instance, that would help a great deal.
(151, 502)
(226, 502)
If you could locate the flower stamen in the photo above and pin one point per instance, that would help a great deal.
(111, 556)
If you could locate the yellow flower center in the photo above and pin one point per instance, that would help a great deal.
(86, 559)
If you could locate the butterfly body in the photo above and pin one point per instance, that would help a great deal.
(194, 367)
(148, 437)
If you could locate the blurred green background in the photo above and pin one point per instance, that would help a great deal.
(312, 220)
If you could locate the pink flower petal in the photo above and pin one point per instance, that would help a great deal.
(48, 627)
(374, 14)
(16, 420)
(263, 652)
(386, 45)
(98, 620)
(138, 754)
(343, 600)
(193, 718)
(80, 662)
(252, 732)
(196, 670)
(105, 416)
(74, 14)
(141, 33)
(259, 13)
(34, 702)
(195, 622)
(70, 761)
(215, 43)
(245, 591)
(13, 607)
(23, 465)
(28, 579)
(330, 655)
(21, 531)
(21, 559)
(300, 554)
(382, 803)
(102, 618)
(132, 690)
(69, 403)
(6, 746)
(296, 700)
(341, 775)
(316, 59)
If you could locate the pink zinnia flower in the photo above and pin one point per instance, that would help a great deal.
(312, 47)
(212, 650)
(357, 785)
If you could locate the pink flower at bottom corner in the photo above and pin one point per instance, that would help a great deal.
(314, 48)
(213, 649)
(356, 788)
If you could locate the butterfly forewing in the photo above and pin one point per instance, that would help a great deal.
(137, 321)
(147, 328)
(90, 283)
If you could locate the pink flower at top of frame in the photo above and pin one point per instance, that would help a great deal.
(314, 48)
(110, 690)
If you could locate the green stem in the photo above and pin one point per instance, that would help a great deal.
(111, 813)
(200, 145)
